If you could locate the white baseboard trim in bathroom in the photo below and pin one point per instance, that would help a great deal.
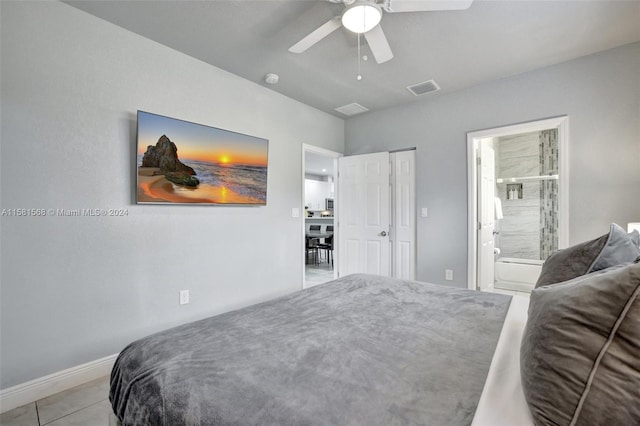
(43, 387)
(513, 286)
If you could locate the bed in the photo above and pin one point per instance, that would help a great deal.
(369, 350)
(362, 349)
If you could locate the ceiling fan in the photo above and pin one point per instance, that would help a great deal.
(363, 17)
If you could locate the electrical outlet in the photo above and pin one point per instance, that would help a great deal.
(448, 274)
(184, 297)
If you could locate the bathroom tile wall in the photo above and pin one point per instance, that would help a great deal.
(519, 156)
(548, 193)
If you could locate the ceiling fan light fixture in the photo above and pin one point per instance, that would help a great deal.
(361, 16)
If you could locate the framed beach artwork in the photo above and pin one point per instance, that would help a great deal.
(180, 162)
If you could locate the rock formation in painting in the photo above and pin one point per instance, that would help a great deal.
(164, 155)
(182, 178)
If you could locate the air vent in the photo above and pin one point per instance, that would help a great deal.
(352, 109)
(423, 88)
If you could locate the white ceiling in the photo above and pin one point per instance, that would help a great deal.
(457, 49)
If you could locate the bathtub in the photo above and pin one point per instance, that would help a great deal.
(517, 274)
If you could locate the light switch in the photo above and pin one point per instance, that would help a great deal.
(424, 212)
(295, 212)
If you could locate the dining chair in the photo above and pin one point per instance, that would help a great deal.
(312, 245)
(312, 250)
(315, 228)
(327, 245)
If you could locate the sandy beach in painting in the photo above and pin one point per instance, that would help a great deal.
(154, 188)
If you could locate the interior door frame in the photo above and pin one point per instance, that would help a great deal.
(473, 138)
(335, 155)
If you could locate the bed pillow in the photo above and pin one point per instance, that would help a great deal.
(620, 248)
(579, 355)
(611, 249)
(571, 262)
(635, 237)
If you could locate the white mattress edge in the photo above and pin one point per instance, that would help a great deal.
(502, 401)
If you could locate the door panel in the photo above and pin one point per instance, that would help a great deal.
(403, 235)
(363, 217)
(373, 205)
(374, 257)
(405, 266)
(350, 253)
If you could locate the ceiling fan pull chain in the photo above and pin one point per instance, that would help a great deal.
(359, 77)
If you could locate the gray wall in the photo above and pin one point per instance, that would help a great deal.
(600, 94)
(75, 289)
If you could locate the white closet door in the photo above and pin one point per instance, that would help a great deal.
(363, 215)
(403, 221)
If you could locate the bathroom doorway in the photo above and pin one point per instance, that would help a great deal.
(518, 198)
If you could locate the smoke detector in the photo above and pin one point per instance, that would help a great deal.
(271, 78)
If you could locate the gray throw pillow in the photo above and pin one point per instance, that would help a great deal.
(579, 359)
(620, 248)
(571, 262)
(611, 249)
(635, 237)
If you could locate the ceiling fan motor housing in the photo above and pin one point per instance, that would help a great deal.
(361, 16)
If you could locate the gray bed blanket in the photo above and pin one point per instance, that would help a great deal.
(360, 350)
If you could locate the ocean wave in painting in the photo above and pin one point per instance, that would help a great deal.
(246, 180)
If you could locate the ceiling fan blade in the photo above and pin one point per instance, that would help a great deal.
(425, 5)
(317, 35)
(378, 44)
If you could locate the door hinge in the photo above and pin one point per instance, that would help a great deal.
(479, 161)
(479, 226)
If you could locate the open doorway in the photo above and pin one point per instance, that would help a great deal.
(319, 178)
(518, 202)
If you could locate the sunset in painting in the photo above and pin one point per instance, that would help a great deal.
(183, 162)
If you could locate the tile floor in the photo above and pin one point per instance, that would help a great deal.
(84, 405)
(318, 274)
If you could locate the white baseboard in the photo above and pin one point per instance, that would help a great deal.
(43, 387)
(514, 286)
